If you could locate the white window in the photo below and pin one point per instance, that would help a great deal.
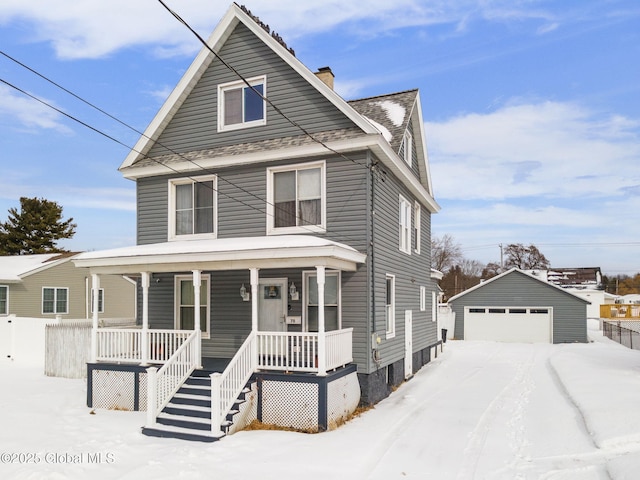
(407, 147)
(55, 300)
(100, 300)
(405, 225)
(296, 199)
(390, 306)
(332, 319)
(423, 298)
(185, 303)
(4, 300)
(193, 207)
(416, 227)
(241, 105)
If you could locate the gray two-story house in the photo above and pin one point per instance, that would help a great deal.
(283, 241)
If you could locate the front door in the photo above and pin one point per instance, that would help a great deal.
(272, 305)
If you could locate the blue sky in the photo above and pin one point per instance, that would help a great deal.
(531, 108)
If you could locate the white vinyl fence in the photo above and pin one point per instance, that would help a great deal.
(60, 347)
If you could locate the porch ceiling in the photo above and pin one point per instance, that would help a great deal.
(278, 251)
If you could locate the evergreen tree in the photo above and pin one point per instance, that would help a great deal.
(35, 228)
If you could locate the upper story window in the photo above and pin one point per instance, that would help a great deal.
(296, 199)
(55, 300)
(192, 207)
(404, 225)
(407, 148)
(4, 300)
(241, 105)
(416, 227)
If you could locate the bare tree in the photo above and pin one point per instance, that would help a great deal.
(525, 258)
(445, 253)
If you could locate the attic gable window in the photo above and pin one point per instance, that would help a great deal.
(192, 207)
(407, 148)
(241, 105)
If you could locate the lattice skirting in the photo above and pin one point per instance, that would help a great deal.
(308, 402)
(116, 387)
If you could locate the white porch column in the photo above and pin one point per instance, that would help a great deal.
(254, 299)
(197, 282)
(322, 343)
(255, 280)
(144, 348)
(95, 285)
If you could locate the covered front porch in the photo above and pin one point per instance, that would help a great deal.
(170, 355)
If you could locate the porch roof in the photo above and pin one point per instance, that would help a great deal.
(278, 251)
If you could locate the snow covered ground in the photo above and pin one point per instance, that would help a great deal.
(482, 410)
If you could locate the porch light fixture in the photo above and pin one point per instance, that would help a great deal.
(246, 296)
(293, 293)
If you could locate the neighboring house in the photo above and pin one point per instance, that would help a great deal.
(49, 286)
(585, 282)
(516, 306)
(250, 207)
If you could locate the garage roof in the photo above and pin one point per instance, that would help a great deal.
(521, 272)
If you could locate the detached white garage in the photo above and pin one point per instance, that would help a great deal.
(518, 307)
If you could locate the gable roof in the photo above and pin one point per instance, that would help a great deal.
(364, 135)
(13, 269)
(517, 271)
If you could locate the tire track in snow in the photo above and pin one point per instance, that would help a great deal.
(389, 439)
(521, 382)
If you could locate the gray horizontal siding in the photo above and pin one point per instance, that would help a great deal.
(518, 289)
(194, 127)
(411, 272)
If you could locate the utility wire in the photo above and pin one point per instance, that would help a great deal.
(96, 130)
(246, 82)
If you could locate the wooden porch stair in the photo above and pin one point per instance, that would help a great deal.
(187, 416)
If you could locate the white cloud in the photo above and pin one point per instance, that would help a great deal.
(95, 28)
(552, 149)
(29, 113)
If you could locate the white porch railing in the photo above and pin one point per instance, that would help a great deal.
(162, 384)
(298, 352)
(226, 386)
(124, 345)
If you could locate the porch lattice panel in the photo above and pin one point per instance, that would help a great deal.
(290, 404)
(343, 398)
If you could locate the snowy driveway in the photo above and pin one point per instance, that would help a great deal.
(482, 410)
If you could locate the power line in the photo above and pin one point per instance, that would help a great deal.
(100, 132)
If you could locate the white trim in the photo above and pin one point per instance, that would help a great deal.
(423, 298)
(176, 301)
(171, 205)
(55, 301)
(306, 274)
(417, 226)
(271, 229)
(390, 309)
(404, 225)
(239, 84)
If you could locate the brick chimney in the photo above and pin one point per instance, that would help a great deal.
(326, 75)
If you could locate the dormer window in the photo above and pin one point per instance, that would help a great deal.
(241, 105)
(407, 147)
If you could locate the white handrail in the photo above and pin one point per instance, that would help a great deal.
(226, 386)
(162, 384)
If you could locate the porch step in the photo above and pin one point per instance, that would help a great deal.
(187, 416)
(169, 431)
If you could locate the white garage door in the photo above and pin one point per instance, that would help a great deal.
(508, 324)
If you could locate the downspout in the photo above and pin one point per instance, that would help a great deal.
(370, 258)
